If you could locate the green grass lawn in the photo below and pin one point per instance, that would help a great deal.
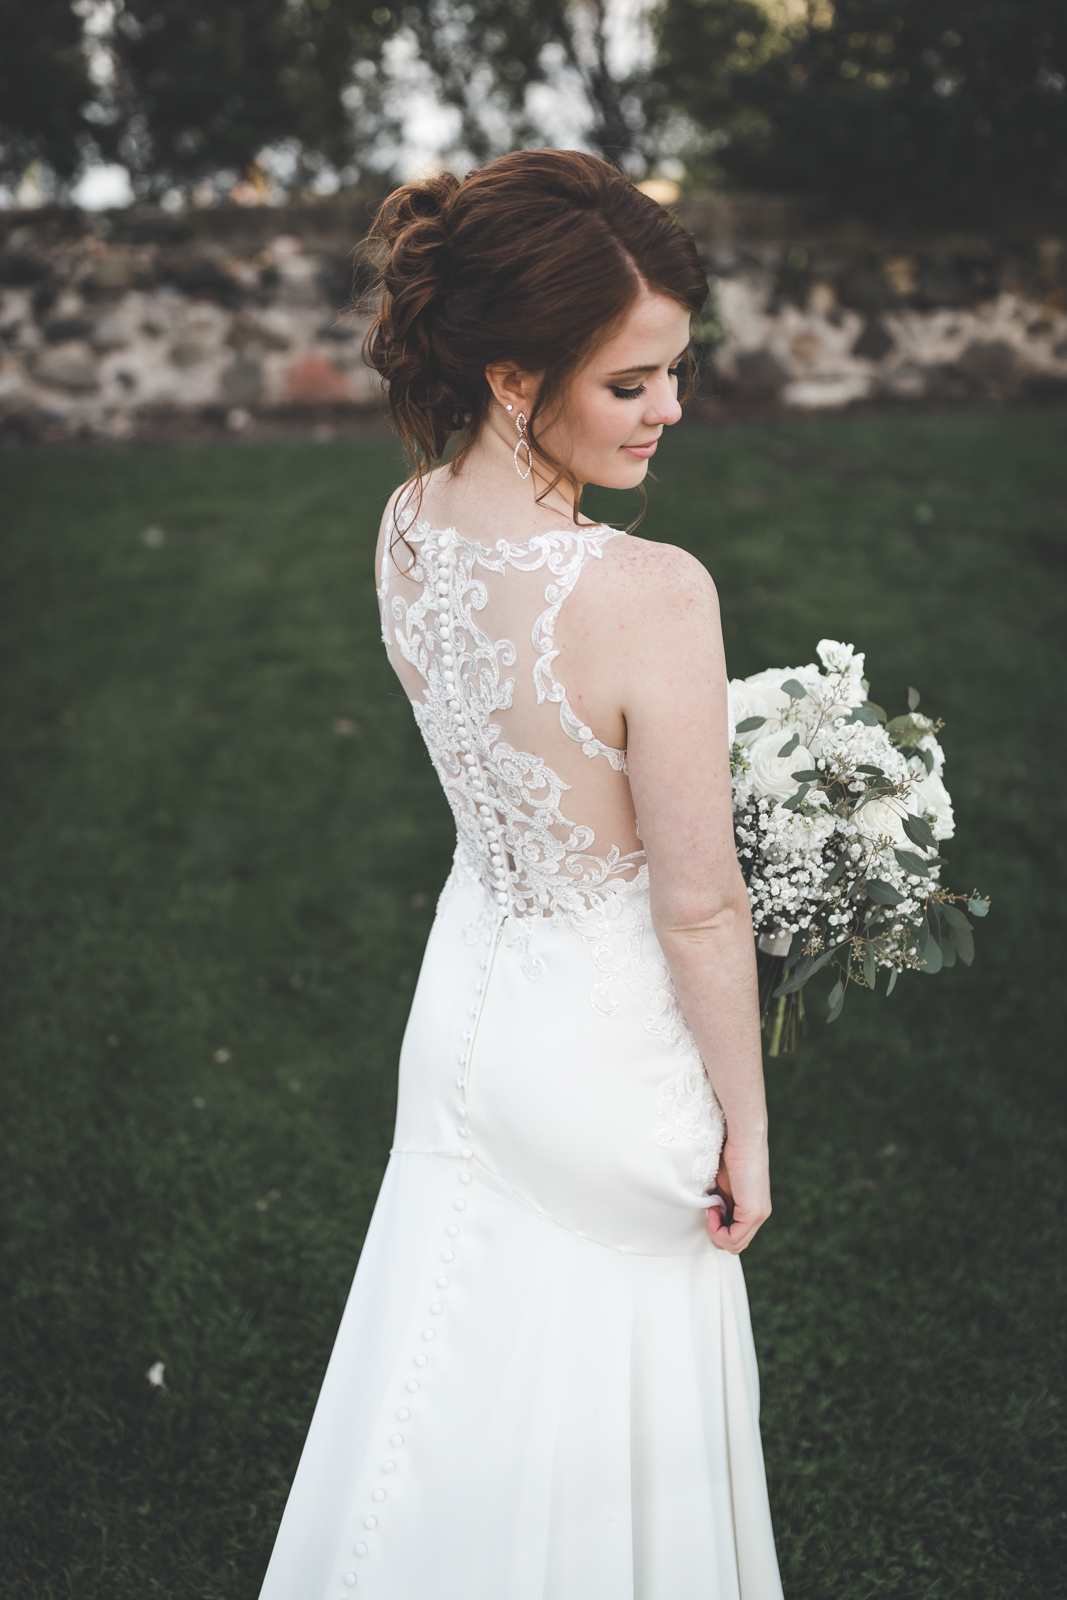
(222, 844)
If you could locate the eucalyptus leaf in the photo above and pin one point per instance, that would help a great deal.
(827, 955)
(865, 714)
(789, 746)
(912, 863)
(893, 976)
(923, 940)
(918, 831)
(798, 980)
(878, 710)
(954, 917)
(932, 961)
(837, 1000)
(928, 760)
(799, 940)
(874, 772)
(948, 952)
(913, 699)
(978, 908)
(870, 969)
(750, 724)
(962, 939)
(795, 801)
(836, 870)
(805, 777)
(795, 689)
(897, 722)
(882, 893)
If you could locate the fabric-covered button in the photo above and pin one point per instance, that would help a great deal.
(396, 1440)
(462, 1132)
(442, 1282)
(464, 1177)
(466, 1152)
(429, 1333)
(378, 1495)
(370, 1522)
(460, 1205)
(452, 1230)
(388, 1466)
(448, 1255)
(435, 1311)
(361, 1549)
(403, 1415)
(412, 1385)
(421, 1360)
(350, 1580)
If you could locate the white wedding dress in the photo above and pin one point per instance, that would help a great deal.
(544, 1386)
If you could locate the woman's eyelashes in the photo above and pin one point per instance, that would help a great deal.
(632, 394)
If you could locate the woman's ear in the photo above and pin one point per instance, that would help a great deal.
(512, 388)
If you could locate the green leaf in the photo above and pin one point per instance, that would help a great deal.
(913, 699)
(923, 940)
(893, 976)
(954, 917)
(897, 722)
(789, 746)
(928, 760)
(961, 937)
(827, 955)
(878, 710)
(795, 689)
(799, 940)
(798, 980)
(978, 908)
(918, 831)
(948, 952)
(865, 714)
(836, 870)
(874, 772)
(805, 777)
(837, 1000)
(882, 893)
(912, 863)
(870, 968)
(932, 961)
(796, 800)
(750, 724)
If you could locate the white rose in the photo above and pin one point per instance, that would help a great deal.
(929, 796)
(772, 774)
(843, 658)
(928, 742)
(883, 819)
(744, 702)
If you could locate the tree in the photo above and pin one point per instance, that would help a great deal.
(204, 85)
(949, 110)
(44, 87)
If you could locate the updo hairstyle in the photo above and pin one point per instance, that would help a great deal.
(529, 261)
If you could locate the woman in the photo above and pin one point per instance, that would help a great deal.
(544, 1385)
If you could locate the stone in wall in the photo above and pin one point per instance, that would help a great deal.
(110, 323)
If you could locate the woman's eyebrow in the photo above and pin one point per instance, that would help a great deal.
(632, 372)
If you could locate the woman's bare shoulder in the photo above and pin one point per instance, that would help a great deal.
(654, 579)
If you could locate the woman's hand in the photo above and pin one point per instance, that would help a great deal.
(743, 1181)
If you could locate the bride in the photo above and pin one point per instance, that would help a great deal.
(544, 1386)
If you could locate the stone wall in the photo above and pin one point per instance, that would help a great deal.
(117, 325)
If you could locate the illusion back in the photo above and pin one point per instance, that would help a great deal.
(543, 810)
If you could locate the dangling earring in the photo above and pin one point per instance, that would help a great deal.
(523, 444)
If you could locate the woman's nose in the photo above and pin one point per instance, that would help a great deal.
(664, 407)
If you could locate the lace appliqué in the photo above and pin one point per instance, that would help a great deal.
(501, 798)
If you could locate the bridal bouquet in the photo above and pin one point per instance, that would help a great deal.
(838, 814)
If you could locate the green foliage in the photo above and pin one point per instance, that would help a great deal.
(204, 85)
(44, 86)
(894, 109)
(194, 859)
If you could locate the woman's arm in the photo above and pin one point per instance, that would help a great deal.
(667, 660)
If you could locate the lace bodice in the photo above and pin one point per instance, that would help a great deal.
(471, 633)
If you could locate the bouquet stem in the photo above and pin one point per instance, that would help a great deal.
(781, 1020)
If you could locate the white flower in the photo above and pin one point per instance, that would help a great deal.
(930, 797)
(745, 702)
(841, 658)
(883, 819)
(771, 773)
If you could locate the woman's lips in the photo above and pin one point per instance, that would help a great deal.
(642, 451)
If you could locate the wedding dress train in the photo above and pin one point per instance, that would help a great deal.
(544, 1385)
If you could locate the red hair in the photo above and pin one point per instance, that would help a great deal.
(529, 261)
